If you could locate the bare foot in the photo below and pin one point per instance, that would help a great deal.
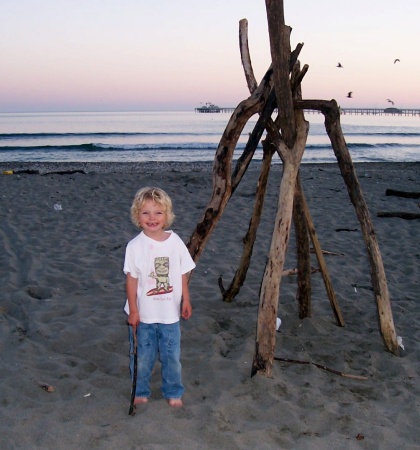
(140, 400)
(175, 402)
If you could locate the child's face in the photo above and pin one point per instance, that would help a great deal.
(152, 218)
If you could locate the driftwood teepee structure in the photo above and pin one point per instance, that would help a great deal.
(280, 90)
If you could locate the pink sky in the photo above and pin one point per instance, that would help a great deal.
(139, 55)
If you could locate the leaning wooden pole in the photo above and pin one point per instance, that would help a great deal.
(331, 113)
(222, 168)
(321, 261)
(304, 284)
(249, 239)
(290, 145)
(377, 270)
(270, 287)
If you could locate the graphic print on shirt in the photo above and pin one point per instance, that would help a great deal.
(161, 275)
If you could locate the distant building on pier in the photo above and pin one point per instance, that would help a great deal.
(208, 108)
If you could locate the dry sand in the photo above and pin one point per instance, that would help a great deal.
(62, 320)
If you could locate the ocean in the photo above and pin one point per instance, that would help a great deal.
(187, 137)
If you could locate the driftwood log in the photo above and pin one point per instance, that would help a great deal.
(249, 239)
(222, 169)
(405, 194)
(399, 214)
(304, 286)
(321, 366)
(322, 264)
(331, 113)
(290, 146)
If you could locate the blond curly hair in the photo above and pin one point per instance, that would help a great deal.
(159, 196)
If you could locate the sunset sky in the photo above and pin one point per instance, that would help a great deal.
(140, 55)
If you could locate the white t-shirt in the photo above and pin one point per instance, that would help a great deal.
(158, 267)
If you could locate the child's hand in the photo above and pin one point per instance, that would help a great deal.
(133, 319)
(186, 310)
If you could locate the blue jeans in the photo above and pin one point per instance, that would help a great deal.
(153, 340)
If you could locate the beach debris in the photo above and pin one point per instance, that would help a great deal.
(325, 252)
(396, 60)
(320, 366)
(290, 272)
(399, 214)
(360, 437)
(58, 207)
(350, 94)
(46, 387)
(87, 395)
(278, 323)
(361, 286)
(405, 194)
(340, 66)
(400, 342)
(7, 172)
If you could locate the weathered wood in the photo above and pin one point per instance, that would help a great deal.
(270, 286)
(253, 141)
(290, 146)
(304, 287)
(405, 194)
(320, 366)
(249, 239)
(399, 214)
(279, 35)
(378, 277)
(246, 56)
(321, 261)
(331, 113)
(222, 168)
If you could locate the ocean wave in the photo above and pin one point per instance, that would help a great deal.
(100, 147)
(108, 147)
(90, 136)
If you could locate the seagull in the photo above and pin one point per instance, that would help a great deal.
(339, 65)
(390, 101)
(396, 60)
(349, 94)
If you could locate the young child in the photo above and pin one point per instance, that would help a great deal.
(156, 265)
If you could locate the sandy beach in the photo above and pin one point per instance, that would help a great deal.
(64, 228)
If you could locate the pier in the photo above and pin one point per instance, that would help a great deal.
(345, 111)
(376, 111)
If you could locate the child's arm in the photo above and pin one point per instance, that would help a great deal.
(131, 288)
(186, 303)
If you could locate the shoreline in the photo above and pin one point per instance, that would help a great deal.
(43, 168)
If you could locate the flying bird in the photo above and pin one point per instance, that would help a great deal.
(339, 65)
(396, 60)
(349, 95)
(390, 101)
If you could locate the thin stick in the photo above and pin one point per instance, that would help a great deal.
(336, 372)
(132, 410)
